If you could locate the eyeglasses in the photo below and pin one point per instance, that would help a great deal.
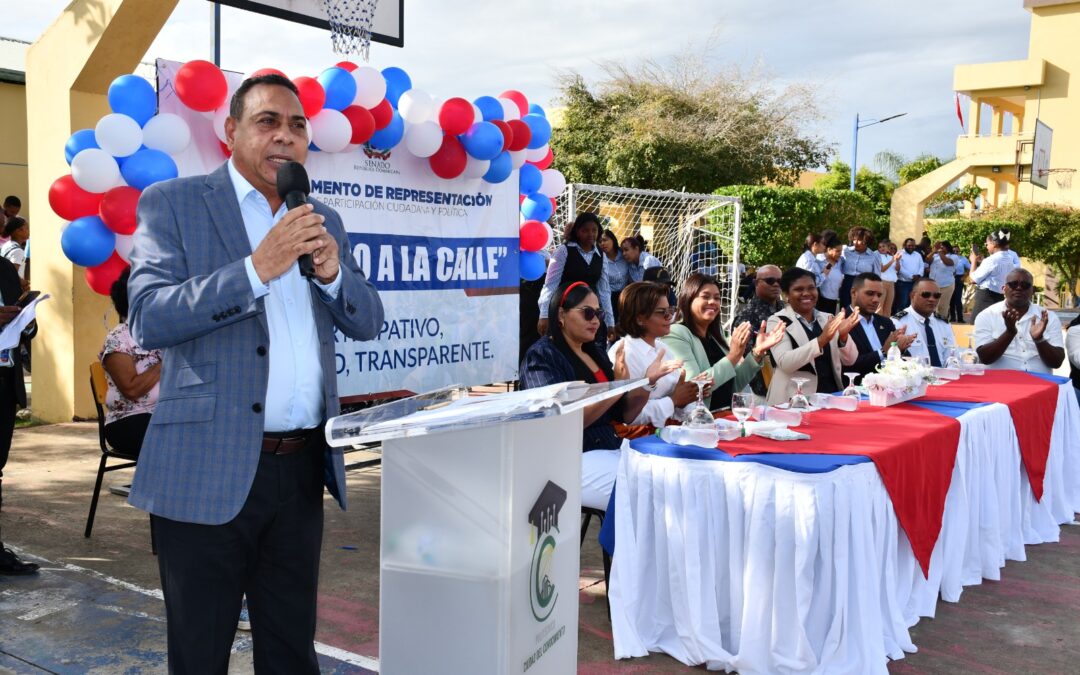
(667, 312)
(926, 295)
(590, 313)
(772, 281)
(1019, 285)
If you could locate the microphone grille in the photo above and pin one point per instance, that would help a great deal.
(292, 177)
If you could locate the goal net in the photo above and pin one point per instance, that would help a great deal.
(687, 232)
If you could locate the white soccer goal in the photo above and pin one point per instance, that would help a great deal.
(688, 232)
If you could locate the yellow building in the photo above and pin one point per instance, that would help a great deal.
(1011, 96)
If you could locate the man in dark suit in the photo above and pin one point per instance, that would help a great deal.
(875, 333)
(234, 461)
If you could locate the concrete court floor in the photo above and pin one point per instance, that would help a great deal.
(96, 606)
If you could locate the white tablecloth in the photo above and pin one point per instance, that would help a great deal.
(742, 566)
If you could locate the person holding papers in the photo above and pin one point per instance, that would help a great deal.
(1018, 334)
(569, 353)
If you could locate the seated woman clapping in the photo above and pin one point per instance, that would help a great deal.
(132, 374)
(644, 319)
(698, 341)
(816, 343)
(567, 354)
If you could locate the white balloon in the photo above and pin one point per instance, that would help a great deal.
(553, 182)
(551, 236)
(95, 170)
(220, 115)
(416, 106)
(517, 158)
(476, 168)
(167, 132)
(424, 139)
(118, 135)
(510, 110)
(537, 154)
(124, 244)
(330, 130)
(370, 87)
(478, 116)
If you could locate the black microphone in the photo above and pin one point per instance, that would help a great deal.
(293, 187)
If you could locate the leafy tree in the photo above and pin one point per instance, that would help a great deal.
(874, 186)
(685, 126)
(918, 168)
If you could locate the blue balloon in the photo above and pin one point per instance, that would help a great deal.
(531, 265)
(390, 135)
(79, 141)
(120, 161)
(535, 109)
(501, 168)
(541, 130)
(340, 87)
(312, 147)
(483, 140)
(147, 167)
(490, 108)
(536, 206)
(397, 83)
(529, 179)
(87, 241)
(133, 96)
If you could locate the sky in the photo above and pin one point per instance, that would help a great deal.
(872, 58)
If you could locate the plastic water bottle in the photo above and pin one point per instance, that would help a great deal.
(894, 353)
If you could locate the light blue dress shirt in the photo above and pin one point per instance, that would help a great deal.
(854, 263)
(294, 390)
(810, 262)
(867, 323)
(993, 271)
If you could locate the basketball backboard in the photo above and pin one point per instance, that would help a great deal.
(388, 26)
(1040, 155)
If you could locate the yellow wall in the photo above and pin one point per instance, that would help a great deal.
(13, 180)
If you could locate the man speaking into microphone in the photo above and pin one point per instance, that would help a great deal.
(234, 461)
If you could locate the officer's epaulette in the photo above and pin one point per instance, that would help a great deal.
(900, 315)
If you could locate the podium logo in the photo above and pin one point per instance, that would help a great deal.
(544, 517)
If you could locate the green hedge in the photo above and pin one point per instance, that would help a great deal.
(776, 220)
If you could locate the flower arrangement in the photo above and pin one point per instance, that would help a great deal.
(898, 381)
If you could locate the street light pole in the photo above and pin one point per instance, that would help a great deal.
(855, 140)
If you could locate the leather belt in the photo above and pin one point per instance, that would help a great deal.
(286, 442)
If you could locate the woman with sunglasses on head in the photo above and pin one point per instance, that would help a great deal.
(698, 339)
(568, 353)
(989, 273)
(578, 259)
(616, 271)
(646, 318)
(637, 258)
(816, 343)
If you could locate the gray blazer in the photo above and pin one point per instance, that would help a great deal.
(190, 296)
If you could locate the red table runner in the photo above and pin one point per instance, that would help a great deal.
(1032, 402)
(914, 450)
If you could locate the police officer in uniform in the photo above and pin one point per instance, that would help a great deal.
(933, 337)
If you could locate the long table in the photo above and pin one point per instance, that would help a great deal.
(744, 565)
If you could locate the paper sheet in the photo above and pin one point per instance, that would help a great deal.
(9, 337)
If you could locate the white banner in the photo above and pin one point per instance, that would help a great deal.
(443, 254)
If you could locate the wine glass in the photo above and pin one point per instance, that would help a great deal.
(851, 390)
(799, 400)
(952, 360)
(741, 405)
(700, 417)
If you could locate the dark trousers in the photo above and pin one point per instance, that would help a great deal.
(983, 299)
(845, 289)
(903, 295)
(826, 305)
(270, 551)
(7, 423)
(956, 302)
(127, 433)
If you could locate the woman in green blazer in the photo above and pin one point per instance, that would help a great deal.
(699, 342)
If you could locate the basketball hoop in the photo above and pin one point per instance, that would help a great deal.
(350, 25)
(1063, 177)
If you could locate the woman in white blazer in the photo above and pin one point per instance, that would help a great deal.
(816, 346)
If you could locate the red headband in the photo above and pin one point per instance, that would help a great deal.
(570, 288)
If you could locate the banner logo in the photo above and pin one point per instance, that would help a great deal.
(544, 517)
(375, 153)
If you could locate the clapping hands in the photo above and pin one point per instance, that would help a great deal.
(768, 340)
(1038, 328)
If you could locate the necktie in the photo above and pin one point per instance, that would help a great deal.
(931, 346)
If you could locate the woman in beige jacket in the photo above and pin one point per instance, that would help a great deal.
(816, 345)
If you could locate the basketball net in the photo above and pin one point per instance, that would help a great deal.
(350, 25)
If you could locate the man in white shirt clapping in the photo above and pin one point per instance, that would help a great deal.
(1018, 334)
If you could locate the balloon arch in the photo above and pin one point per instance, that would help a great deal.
(348, 106)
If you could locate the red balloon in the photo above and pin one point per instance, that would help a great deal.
(118, 209)
(545, 162)
(267, 71)
(69, 201)
(383, 114)
(534, 235)
(450, 159)
(518, 98)
(225, 149)
(347, 65)
(456, 116)
(521, 199)
(102, 277)
(201, 85)
(312, 95)
(507, 132)
(362, 121)
(554, 206)
(522, 135)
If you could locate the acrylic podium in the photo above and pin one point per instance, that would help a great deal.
(480, 524)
